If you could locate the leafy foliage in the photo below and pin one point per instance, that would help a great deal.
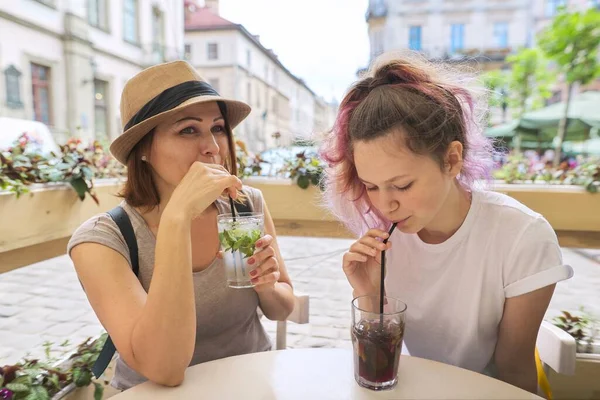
(520, 169)
(304, 170)
(248, 165)
(495, 83)
(238, 239)
(582, 327)
(22, 165)
(572, 42)
(32, 379)
(529, 81)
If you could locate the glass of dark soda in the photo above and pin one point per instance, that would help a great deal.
(377, 340)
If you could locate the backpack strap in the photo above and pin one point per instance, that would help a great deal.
(122, 220)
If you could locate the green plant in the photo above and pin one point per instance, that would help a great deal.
(304, 170)
(248, 165)
(572, 41)
(519, 169)
(495, 82)
(76, 164)
(240, 239)
(582, 327)
(32, 379)
(529, 80)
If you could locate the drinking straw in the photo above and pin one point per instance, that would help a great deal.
(232, 208)
(233, 251)
(382, 285)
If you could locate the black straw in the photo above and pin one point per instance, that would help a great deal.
(232, 208)
(382, 284)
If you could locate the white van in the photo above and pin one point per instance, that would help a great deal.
(12, 128)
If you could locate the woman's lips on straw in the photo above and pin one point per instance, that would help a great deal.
(400, 222)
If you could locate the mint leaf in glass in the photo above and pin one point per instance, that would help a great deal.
(240, 239)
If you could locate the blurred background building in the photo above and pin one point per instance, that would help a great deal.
(65, 63)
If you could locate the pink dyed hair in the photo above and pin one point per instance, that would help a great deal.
(442, 109)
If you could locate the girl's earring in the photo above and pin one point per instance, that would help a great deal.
(144, 158)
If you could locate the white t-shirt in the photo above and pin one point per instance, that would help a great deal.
(455, 290)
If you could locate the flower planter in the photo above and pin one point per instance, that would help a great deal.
(37, 226)
(573, 212)
(583, 385)
(296, 211)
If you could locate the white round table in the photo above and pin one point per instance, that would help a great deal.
(319, 374)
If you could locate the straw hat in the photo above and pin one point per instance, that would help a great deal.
(147, 86)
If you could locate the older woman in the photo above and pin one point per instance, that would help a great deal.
(178, 311)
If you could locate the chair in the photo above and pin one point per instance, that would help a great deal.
(299, 316)
(557, 350)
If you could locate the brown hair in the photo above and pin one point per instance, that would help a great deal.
(400, 95)
(140, 189)
(424, 105)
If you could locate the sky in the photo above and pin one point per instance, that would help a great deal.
(323, 42)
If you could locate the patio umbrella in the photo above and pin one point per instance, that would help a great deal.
(542, 125)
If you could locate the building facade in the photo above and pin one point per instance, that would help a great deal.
(486, 30)
(237, 65)
(482, 32)
(72, 58)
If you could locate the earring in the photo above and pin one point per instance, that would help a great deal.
(144, 158)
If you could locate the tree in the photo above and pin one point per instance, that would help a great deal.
(572, 41)
(529, 80)
(495, 82)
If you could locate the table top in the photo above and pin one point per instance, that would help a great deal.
(322, 374)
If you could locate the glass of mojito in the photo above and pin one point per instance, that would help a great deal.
(238, 236)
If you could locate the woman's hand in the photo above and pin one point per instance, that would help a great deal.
(201, 186)
(265, 272)
(362, 262)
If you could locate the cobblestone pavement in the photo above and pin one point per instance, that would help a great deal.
(44, 302)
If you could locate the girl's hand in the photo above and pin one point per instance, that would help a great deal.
(362, 262)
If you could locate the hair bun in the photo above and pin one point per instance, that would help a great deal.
(398, 72)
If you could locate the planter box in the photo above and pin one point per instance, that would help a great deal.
(573, 212)
(583, 385)
(38, 225)
(296, 211)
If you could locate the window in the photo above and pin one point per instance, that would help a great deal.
(158, 36)
(248, 58)
(97, 14)
(274, 104)
(552, 7)
(501, 34)
(249, 93)
(414, 38)
(214, 82)
(457, 37)
(13, 87)
(130, 21)
(40, 86)
(101, 111)
(213, 51)
(187, 52)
